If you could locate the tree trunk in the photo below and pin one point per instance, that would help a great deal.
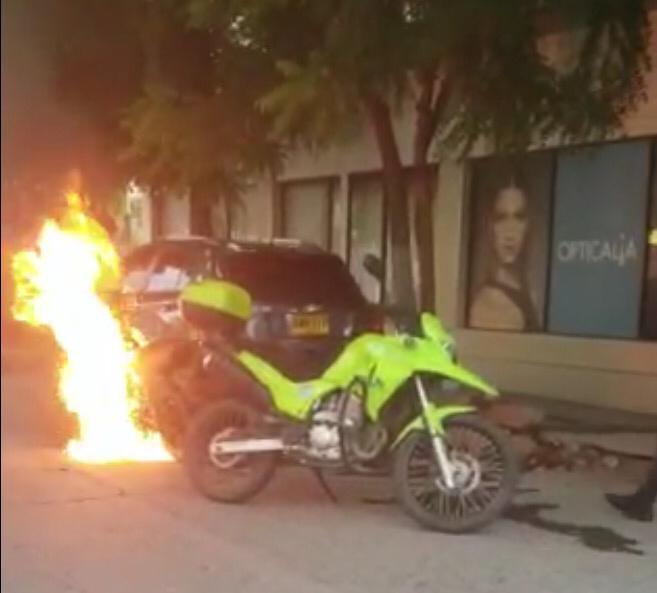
(149, 22)
(422, 196)
(157, 213)
(149, 26)
(429, 108)
(228, 213)
(200, 212)
(423, 192)
(401, 281)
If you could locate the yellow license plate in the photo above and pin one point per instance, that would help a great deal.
(129, 301)
(311, 324)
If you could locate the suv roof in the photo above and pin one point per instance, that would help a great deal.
(276, 244)
(275, 271)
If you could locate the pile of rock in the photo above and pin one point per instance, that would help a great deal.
(540, 447)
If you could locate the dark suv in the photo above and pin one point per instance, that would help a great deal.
(306, 304)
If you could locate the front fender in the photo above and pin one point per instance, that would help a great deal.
(460, 374)
(437, 416)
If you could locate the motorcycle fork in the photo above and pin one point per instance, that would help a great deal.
(437, 441)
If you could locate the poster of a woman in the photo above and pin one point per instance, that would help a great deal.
(509, 247)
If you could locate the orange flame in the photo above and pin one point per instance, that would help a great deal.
(58, 285)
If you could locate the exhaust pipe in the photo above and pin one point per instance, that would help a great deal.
(246, 446)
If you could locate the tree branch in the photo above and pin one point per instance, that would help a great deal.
(436, 89)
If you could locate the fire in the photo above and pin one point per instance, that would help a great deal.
(58, 286)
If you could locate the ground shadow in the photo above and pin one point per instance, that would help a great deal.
(391, 499)
(598, 538)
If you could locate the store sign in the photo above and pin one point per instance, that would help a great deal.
(599, 237)
(619, 251)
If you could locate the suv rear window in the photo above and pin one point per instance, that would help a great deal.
(177, 264)
(292, 278)
(166, 267)
(136, 267)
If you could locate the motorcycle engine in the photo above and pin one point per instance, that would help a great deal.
(324, 436)
(324, 432)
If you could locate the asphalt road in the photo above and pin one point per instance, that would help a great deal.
(140, 528)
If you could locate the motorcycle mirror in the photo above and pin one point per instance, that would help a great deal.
(433, 329)
(374, 266)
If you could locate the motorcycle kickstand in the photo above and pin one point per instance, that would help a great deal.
(324, 485)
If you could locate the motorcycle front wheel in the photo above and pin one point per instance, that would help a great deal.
(485, 472)
(226, 478)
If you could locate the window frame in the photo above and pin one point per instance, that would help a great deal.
(469, 218)
(281, 207)
(352, 179)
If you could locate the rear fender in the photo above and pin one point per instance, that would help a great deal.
(165, 354)
(225, 375)
(209, 373)
(436, 416)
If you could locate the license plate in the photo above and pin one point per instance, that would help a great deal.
(129, 301)
(311, 324)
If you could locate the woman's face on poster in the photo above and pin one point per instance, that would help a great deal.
(510, 224)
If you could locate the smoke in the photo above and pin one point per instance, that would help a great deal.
(41, 137)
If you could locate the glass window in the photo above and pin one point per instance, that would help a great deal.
(136, 268)
(292, 278)
(509, 245)
(649, 326)
(366, 212)
(306, 210)
(176, 265)
(598, 240)
(175, 214)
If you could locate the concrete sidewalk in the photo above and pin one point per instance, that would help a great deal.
(139, 527)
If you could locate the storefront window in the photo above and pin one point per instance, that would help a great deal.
(649, 326)
(366, 215)
(508, 262)
(306, 210)
(598, 240)
(565, 241)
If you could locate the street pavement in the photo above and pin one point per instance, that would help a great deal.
(141, 528)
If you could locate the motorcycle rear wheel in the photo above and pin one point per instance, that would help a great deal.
(233, 478)
(486, 472)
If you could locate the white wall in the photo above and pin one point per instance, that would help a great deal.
(175, 215)
(138, 209)
(356, 154)
(253, 218)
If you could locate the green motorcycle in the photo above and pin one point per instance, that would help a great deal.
(371, 412)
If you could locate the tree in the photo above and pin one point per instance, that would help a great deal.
(472, 69)
(98, 68)
(202, 133)
(170, 103)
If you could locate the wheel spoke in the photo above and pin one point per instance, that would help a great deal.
(473, 451)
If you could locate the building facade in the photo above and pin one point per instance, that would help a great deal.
(546, 266)
(578, 321)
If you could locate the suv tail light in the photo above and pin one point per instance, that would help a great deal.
(376, 321)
